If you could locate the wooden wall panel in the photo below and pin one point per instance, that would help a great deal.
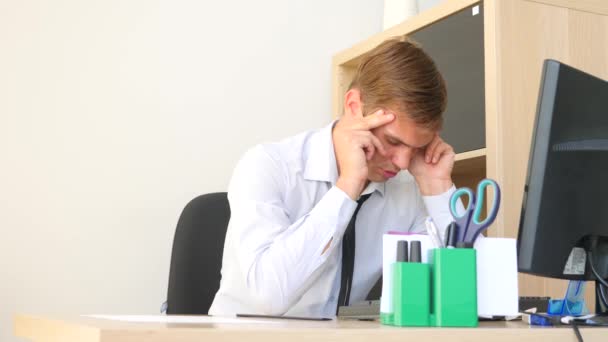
(528, 33)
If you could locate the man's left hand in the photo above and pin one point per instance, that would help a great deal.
(432, 167)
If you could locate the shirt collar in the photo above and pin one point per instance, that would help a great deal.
(320, 163)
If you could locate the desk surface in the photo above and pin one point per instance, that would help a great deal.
(86, 329)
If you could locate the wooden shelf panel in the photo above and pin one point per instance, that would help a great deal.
(469, 168)
(471, 155)
(591, 6)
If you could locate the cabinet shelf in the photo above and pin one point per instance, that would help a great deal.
(464, 156)
(518, 35)
(350, 57)
(469, 168)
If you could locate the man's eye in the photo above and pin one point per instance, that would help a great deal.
(393, 142)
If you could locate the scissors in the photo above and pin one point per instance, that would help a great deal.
(469, 226)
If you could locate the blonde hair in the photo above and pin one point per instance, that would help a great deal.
(399, 75)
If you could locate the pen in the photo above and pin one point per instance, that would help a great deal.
(431, 229)
(284, 317)
(451, 235)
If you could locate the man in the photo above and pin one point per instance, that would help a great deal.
(292, 202)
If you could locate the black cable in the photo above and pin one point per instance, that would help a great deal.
(599, 292)
(603, 293)
(601, 282)
(591, 264)
(577, 332)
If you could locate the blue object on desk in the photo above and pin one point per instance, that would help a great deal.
(469, 224)
(542, 320)
(573, 303)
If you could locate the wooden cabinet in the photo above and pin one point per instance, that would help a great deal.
(518, 35)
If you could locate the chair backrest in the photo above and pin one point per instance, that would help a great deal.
(196, 257)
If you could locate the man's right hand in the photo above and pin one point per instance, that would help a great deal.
(354, 146)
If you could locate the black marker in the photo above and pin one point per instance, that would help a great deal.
(451, 235)
(415, 251)
(401, 251)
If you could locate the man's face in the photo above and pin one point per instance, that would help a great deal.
(402, 139)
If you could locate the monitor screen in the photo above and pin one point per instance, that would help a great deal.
(565, 199)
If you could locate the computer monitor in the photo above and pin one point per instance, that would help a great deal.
(565, 204)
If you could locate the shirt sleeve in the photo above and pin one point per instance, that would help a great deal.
(277, 255)
(438, 208)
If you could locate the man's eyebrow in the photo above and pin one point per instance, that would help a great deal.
(396, 139)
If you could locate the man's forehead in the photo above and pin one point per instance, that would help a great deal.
(410, 134)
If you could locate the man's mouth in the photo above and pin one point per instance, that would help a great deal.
(388, 174)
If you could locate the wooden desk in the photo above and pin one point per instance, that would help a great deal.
(85, 329)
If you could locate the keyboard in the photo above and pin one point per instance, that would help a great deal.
(368, 310)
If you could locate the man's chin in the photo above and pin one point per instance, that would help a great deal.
(377, 179)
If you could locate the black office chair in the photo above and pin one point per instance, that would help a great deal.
(196, 258)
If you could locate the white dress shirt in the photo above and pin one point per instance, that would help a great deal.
(285, 208)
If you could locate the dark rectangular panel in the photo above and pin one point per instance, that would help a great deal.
(456, 45)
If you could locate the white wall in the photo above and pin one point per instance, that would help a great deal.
(115, 113)
(396, 11)
(424, 5)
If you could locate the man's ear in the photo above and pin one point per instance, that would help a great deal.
(352, 103)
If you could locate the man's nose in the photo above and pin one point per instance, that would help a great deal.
(401, 159)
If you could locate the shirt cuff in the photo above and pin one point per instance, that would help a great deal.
(438, 207)
(439, 200)
(337, 208)
(346, 207)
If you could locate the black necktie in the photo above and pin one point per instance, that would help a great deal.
(348, 256)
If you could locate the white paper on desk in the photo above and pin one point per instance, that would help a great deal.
(181, 319)
(497, 291)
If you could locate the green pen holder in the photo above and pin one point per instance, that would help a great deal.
(442, 293)
(454, 287)
(411, 299)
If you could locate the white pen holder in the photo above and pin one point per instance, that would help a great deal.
(497, 290)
